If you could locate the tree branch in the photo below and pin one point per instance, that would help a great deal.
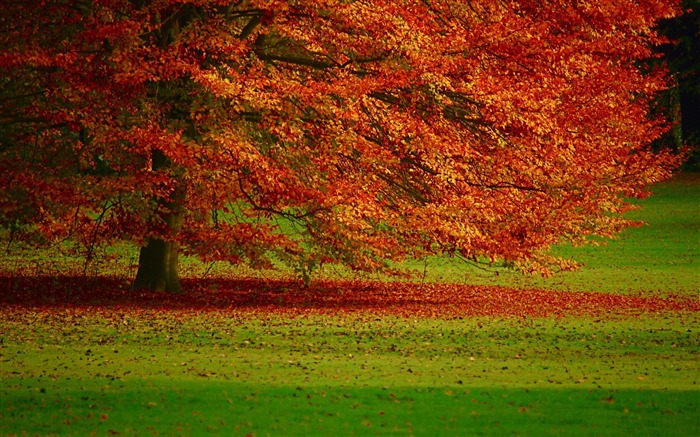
(297, 60)
(257, 207)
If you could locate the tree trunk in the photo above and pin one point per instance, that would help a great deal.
(158, 259)
(158, 263)
(675, 116)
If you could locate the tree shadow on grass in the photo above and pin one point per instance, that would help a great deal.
(292, 298)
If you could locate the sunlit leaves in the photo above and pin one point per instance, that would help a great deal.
(380, 130)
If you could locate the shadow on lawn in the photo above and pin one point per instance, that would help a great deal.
(328, 297)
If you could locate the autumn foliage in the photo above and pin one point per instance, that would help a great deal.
(326, 131)
(256, 297)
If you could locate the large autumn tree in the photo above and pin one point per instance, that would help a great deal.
(326, 131)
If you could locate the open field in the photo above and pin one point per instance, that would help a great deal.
(140, 370)
(611, 350)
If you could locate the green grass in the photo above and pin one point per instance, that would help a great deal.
(194, 374)
(201, 408)
(103, 370)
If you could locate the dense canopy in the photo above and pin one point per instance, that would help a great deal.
(326, 131)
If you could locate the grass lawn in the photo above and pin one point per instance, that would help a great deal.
(73, 372)
(611, 350)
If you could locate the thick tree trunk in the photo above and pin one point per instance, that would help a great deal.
(158, 263)
(158, 259)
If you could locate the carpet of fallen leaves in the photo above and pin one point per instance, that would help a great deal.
(291, 298)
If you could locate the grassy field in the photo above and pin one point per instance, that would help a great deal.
(86, 356)
(72, 372)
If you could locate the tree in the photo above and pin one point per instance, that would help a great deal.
(682, 100)
(326, 131)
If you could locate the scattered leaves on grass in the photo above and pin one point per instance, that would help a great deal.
(288, 297)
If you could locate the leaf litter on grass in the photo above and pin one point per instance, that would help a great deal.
(234, 352)
(291, 298)
(350, 356)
